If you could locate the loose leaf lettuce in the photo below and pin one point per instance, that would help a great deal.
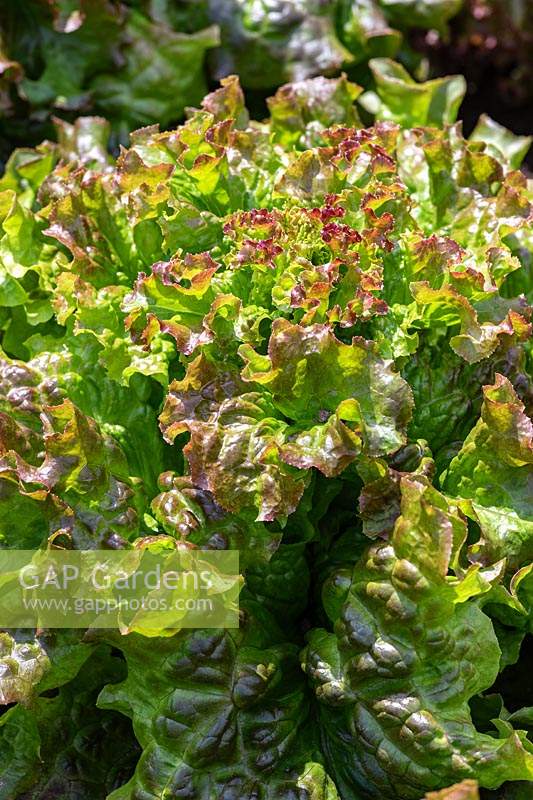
(289, 338)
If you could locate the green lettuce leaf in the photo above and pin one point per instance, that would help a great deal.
(401, 99)
(219, 712)
(366, 31)
(268, 44)
(408, 648)
(63, 746)
(421, 13)
(492, 475)
(504, 143)
(149, 87)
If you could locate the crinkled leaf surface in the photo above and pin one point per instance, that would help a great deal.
(407, 650)
(63, 746)
(288, 331)
(493, 473)
(219, 713)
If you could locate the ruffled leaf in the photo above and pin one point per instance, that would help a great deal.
(492, 474)
(242, 448)
(313, 375)
(63, 745)
(75, 477)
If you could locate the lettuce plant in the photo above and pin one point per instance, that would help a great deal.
(308, 340)
(140, 62)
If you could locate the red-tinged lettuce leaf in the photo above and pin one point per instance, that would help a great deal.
(460, 189)
(85, 141)
(23, 664)
(236, 435)
(31, 259)
(107, 218)
(219, 167)
(409, 181)
(492, 474)
(175, 298)
(313, 376)
(356, 158)
(341, 400)
(409, 647)
(89, 222)
(219, 713)
(38, 661)
(228, 102)
(145, 188)
(316, 272)
(98, 220)
(307, 263)
(302, 263)
(466, 790)
(277, 573)
(107, 223)
(192, 516)
(300, 111)
(63, 746)
(380, 498)
(75, 477)
(78, 368)
(26, 387)
(456, 289)
(86, 313)
(477, 339)
(440, 261)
